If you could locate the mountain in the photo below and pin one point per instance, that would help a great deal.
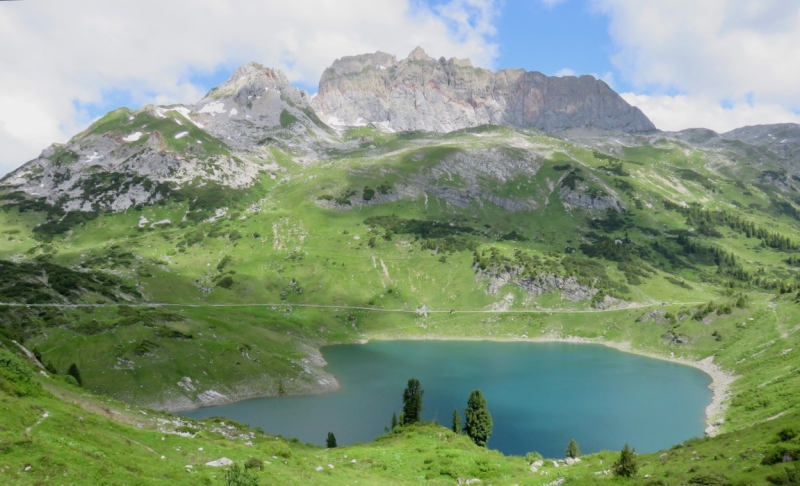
(192, 255)
(423, 93)
(129, 158)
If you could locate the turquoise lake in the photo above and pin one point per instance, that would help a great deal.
(540, 395)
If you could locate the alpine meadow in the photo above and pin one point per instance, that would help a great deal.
(183, 256)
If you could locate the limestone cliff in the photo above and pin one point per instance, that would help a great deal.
(423, 93)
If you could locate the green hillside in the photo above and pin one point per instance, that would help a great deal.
(650, 244)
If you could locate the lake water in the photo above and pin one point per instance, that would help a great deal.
(540, 395)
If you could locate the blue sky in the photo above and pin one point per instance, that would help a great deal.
(718, 64)
(568, 37)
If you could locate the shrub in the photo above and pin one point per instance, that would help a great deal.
(236, 476)
(225, 282)
(253, 463)
(533, 456)
(16, 377)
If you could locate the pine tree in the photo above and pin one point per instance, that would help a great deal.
(456, 421)
(412, 402)
(330, 442)
(50, 367)
(626, 465)
(573, 450)
(394, 421)
(75, 373)
(478, 425)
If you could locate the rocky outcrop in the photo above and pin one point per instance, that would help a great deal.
(423, 93)
(571, 198)
(255, 102)
(544, 283)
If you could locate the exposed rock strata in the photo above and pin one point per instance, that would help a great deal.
(570, 288)
(422, 93)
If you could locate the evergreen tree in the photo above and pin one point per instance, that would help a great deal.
(330, 442)
(75, 373)
(412, 402)
(626, 465)
(50, 367)
(478, 424)
(573, 450)
(456, 421)
(394, 421)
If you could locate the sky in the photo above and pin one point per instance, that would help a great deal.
(719, 64)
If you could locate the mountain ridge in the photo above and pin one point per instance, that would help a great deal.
(422, 93)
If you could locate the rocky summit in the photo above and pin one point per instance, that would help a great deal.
(423, 93)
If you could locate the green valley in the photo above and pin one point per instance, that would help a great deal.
(232, 263)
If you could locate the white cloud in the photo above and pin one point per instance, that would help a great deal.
(564, 72)
(673, 113)
(55, 53)
(552, 3)
(739, 52)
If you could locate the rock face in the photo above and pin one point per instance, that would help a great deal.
(131, 158)
(545, 283)
(422, 93)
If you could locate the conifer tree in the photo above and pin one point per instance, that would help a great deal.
(330, 442)
(478, 425)
(456, 421)
(75, 373)
(573, 450)
(626, 465)
(412, 402)
(394, 421)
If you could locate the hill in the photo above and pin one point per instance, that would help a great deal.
(224, 242)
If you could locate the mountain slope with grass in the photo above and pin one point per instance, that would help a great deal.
(206, 260)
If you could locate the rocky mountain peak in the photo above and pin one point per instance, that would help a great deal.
(420, 93)
(418, 54)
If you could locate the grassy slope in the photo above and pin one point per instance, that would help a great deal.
(88, 439)
(276, 234)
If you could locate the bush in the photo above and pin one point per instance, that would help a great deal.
(16, 377)
(236, 476)
(533, 456)
(253, 463)
(225, 282)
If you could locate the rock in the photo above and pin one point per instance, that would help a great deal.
(422, 93)
(223, 461)
(320, 468)
(538, 463)
(569, 461)
(555, 463)
(533, 468)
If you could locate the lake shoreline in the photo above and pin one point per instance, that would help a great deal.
(720, 379)
(714, 413)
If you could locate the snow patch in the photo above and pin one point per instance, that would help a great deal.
(93, 157)
(133, 137)
(185, 112)
(233, 112)
(335, 122)
(215, 107)
(181, 135)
